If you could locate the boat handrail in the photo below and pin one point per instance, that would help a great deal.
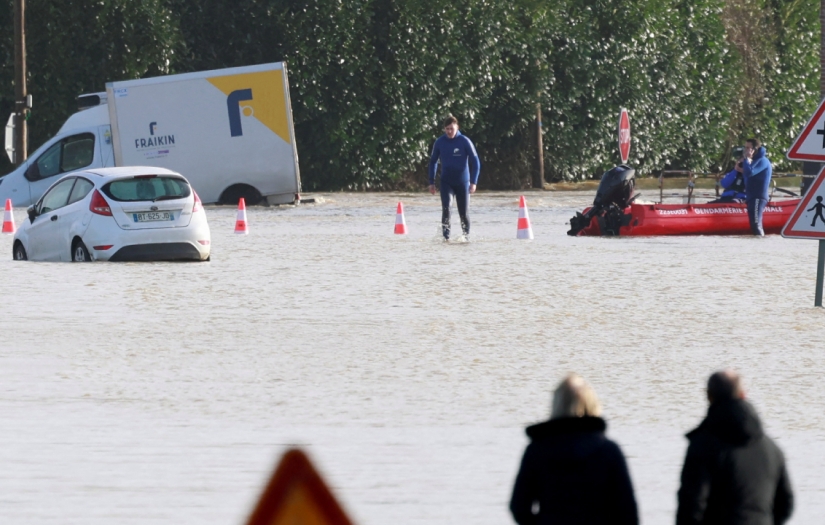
(691, 184)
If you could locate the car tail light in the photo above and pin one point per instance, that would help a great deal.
(99, 205)
(103, 247)
(197, 206)
(205, 243)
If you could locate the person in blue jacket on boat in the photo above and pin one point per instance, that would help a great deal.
(734, 184)
(459, 173)
(757, 170)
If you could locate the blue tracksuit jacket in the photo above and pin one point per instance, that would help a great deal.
(459, 160)
(757, 172)
(727, 183)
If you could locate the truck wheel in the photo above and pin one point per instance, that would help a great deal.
(18, 252)
(232, 194)
(80, 253)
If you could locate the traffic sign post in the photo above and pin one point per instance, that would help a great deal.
(810, 146)
(624, 135)
(820, 272)
(808, 222)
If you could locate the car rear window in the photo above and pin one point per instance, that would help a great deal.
(147, 189)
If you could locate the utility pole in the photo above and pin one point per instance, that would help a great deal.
(538, 178)
(822, 48)
(20, 91)
(820, 262)
(808, 167)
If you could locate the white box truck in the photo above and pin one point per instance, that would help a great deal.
(228, 131)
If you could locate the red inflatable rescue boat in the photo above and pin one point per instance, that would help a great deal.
(615, 213)
(694, 219)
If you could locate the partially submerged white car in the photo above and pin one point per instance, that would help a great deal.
(134, 213)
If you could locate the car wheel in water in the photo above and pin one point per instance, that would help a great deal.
(80, 253)
(18, 252)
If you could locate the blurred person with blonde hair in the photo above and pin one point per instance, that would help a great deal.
(571, 473)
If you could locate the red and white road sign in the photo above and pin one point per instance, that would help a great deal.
(808, 219)
(296, 494)
(624, 135)
(810, 144)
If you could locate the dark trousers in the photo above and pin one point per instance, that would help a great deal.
(461, 190)
(755, 209)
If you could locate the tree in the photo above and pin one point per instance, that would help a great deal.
(76, 47)
(371, 80)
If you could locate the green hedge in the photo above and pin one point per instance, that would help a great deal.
(371, 79)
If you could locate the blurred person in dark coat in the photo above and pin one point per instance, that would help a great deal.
(733, 473)
(571, 473)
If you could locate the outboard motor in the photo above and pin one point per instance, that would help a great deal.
(615, 193)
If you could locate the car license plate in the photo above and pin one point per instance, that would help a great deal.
(153, 216)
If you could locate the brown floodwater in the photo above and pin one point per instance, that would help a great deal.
(406, 367)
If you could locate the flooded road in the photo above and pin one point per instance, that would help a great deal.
(407, 368)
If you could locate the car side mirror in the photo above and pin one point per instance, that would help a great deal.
(32, 213)
(33, 172)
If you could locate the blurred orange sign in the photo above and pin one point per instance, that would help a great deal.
(296, 495)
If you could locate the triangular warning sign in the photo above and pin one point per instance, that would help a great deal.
(810, 144)
(296, 495)
(808, 220)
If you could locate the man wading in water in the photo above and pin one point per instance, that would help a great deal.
(757, 170)
(459, 173)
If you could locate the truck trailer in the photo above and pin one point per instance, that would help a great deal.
(228, 131)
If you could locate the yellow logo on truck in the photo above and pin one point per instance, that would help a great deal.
(259, 95)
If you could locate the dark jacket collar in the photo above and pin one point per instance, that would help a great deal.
(733, 421)
(566, 425)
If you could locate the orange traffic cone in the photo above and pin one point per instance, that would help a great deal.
(524, 229)
(8, 219)
(400, 223)
(241, 226)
